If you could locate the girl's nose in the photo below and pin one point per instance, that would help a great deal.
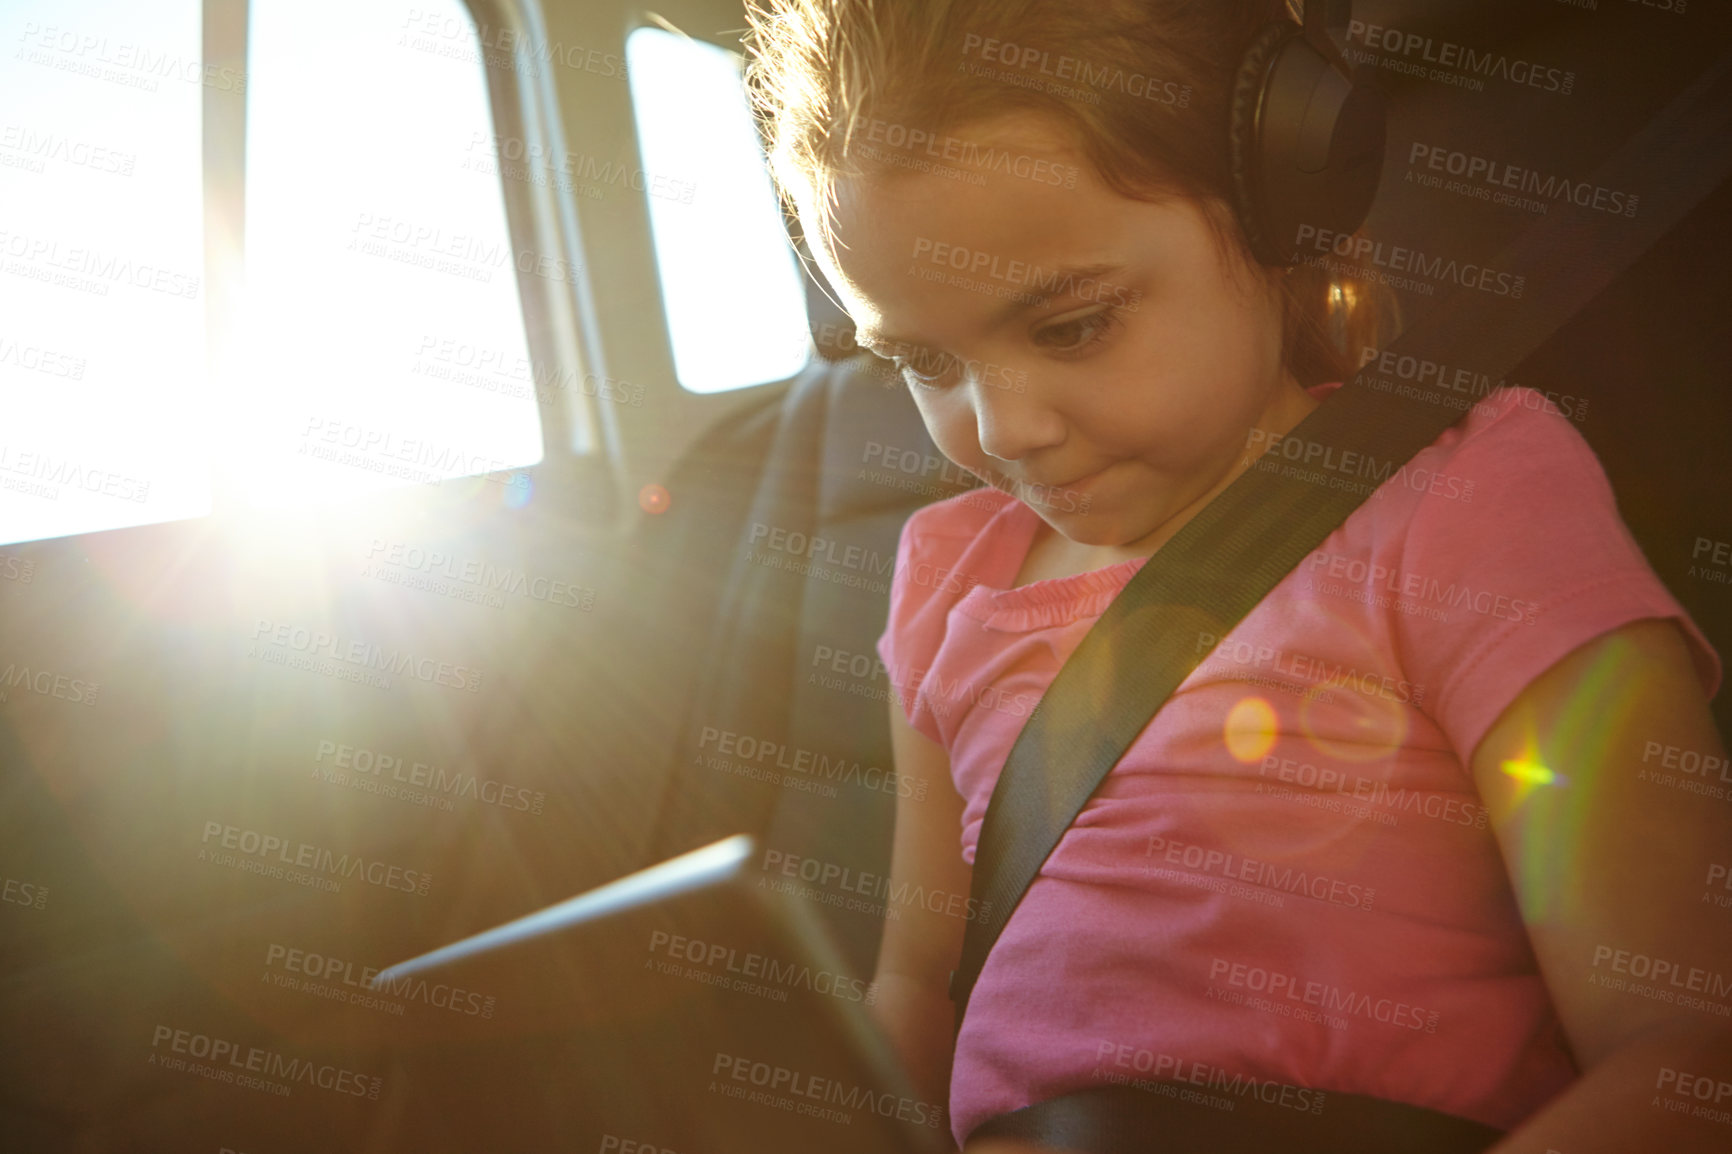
(1011, 424)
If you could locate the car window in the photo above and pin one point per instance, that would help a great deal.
(731, 287)
(384, 334)
(102, 284)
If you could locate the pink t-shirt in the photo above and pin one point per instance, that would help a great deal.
(1289, 877)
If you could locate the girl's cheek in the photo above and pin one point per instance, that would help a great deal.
(950, 421)
(963, 450)
(959, 447)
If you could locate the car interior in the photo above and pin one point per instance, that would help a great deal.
(437, 482)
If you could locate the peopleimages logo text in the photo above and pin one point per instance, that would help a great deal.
(1048, 282)
(1060, 67)
(231, 1057)
(319, 859)
(1421, 49)
(781, 1079)
(301, 639)
(1497, 174)
(1396, 258)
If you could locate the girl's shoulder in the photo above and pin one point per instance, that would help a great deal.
(1520, 411)
(1511, 446)
(1497, 550)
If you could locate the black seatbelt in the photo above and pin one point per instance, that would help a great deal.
(1227, 558)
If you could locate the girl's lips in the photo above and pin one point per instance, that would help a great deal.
(1011, 483)
(1018, 488)
(1082, 483)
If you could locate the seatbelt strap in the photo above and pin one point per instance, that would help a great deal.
(1239, 546)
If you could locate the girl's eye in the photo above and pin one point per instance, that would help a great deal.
(1078, 333)
(925, 368)
(922, 368)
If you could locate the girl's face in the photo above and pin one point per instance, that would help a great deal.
(1092, 355)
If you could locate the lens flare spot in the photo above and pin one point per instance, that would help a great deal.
(1250, 729)
(1344, 722)
(654, 499)
(1528, 772)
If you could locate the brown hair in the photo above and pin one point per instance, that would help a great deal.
(1147, 97)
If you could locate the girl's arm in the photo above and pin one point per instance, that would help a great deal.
(920, 947)
(1616, 850)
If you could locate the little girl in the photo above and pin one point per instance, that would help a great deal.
(1404, 833)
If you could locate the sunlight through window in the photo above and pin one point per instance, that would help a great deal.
(103, 413)
(384, 334)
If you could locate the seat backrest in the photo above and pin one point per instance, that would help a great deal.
(788, 736)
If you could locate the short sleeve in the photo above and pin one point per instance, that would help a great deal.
(1519, 557)
(936, 558)
(907, 645)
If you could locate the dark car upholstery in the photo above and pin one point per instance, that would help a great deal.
(775, 562)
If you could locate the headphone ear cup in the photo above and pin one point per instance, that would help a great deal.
(1306, 144)
(1243, 142)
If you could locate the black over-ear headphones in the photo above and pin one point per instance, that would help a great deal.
(1306, 138)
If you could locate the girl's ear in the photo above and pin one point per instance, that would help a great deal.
(1278, 286)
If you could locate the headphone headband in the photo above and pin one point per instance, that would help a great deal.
(1322, 19)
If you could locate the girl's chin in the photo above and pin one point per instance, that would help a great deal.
(1068, 529)
(1099, 527)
